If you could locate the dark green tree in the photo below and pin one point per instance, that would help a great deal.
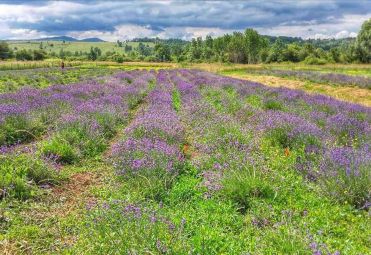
(128, 48)
(292, 52)
(252, 46)
(363, 43)
(236, 48)
(62, 54)
(276, 52)
(39, 55)
(334, 54)
(144, 50)
(24, 55)
(195, 49)
(5, 51)
(162, 52)
(94, 53)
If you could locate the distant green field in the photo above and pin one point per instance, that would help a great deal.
(56, 46)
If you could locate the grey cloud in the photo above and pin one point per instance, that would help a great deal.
(158, 16)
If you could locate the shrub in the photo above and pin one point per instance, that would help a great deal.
(39, 55)
(344, 174)
(287, 137)
(155, 170)
(134, 101)
(255, 101)
(81, 138)
(24, 55)
(312, 60)
(107, 123)
(243, 187)
(19, 175)
(132, 228)
(289, 131)
(18, 128)
(119, 59)
(62, 150)
(5, 51)
(273, 105)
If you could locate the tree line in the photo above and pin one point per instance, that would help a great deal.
(248, 47)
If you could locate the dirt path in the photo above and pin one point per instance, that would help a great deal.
(76, 191)
(348, 94)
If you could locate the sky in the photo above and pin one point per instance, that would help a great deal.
(123, 20)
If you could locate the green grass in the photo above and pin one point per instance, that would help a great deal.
(177, 101)
(344, 69)
(275, 212)
(48, 63)
(33, 75)
(71, 46)
(20, 174)
(358, 70)
(11, 81)
(48, 222)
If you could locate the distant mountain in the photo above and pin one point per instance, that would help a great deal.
(57, 38)
(93, 39)
(67, 39)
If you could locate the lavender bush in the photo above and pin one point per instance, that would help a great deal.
(153, 140)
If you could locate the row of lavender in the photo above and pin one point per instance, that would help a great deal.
(234, 170)
(149, 158)
(221, 142)
(332, 138)
(210, 175)
(152, 140)
(30, 113)
(13, 80)
(75, 122)
(86, 131)
(242, 163)
(315, 76)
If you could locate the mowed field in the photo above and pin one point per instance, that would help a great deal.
(57, 46)
(150, 158)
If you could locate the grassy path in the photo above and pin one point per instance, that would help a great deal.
(46, 225)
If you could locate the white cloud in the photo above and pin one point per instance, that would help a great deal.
(122, 32)
(127, 32)
(34, 13)
(23, 34)
(347, 26)
(112, 20)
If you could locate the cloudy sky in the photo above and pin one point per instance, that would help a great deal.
(112, 20)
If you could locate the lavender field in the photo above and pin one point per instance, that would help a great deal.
(182, 161)
(333, 78)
